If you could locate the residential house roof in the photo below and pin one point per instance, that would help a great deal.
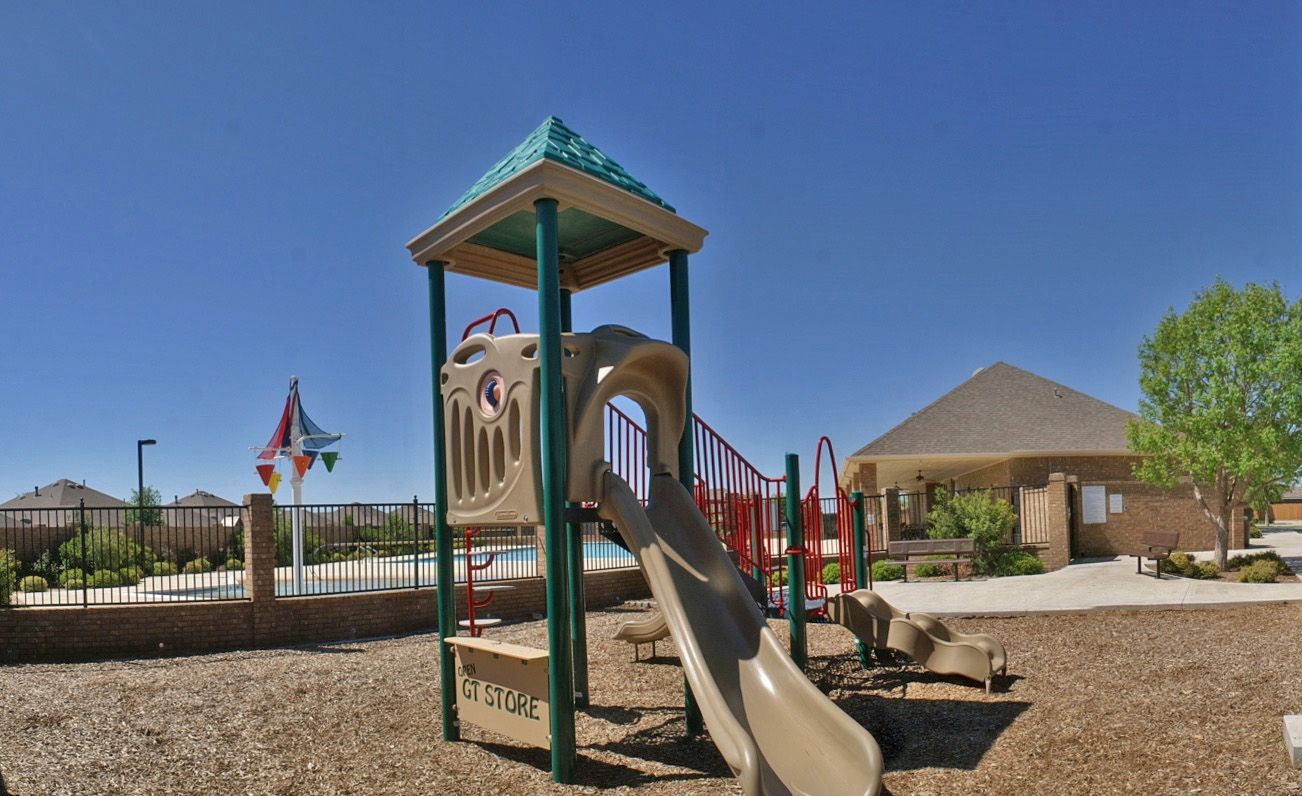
(62, 494)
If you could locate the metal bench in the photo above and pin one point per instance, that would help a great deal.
(1156, 545)
(959, 550)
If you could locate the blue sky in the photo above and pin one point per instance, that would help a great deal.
(200, 200)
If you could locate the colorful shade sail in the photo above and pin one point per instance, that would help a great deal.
(301, 463)
(274, 482)
(329, 458)
(314, 438)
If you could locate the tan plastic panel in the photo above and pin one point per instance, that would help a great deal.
(778, 733)
(922, 637)
(492, 459)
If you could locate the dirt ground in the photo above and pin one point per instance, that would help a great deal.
(1111, 702)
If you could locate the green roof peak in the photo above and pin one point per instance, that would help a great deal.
(556, 142)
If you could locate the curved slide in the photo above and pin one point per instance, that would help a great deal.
(778, 733)
(922, 637)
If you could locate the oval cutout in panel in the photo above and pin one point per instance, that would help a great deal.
(499, 456)
(468, 451)
(469, 354)
(530, 351)
(454, 451)
(513, 427)
(482, 454)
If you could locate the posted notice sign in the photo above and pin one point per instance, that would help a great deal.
(503, 687)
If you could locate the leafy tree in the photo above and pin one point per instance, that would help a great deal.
(152, 514)
(979, 515)
(1221, 400)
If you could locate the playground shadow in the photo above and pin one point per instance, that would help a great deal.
(919, 733)
(664, 744)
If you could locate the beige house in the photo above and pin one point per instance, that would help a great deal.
(1005, 427)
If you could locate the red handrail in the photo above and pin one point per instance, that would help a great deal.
(491, 318)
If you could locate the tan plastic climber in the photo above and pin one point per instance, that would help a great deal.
(922, 637)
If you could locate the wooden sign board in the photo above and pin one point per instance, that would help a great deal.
(503, 687)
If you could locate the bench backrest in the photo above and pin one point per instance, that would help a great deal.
(1168, 539)
(928, 547)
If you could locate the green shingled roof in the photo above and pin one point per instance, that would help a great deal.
(554, 141)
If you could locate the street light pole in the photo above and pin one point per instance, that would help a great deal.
(140, 495)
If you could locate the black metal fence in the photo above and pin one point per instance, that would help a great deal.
(1029, 503)
(109, 556)
(120, 555)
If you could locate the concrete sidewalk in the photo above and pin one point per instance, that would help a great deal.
(1094, 584)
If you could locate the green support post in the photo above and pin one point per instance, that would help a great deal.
(860, 561)
(680, 310)
(552, 416)
(574, 535)
(438, 335)
(795, 565)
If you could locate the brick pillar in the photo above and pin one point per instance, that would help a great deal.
(864, 478)
(259, 554)
(891, 513)
(1059, 553)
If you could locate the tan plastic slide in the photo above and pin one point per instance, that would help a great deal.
(778, 733)
(648, 630)
(922, 637)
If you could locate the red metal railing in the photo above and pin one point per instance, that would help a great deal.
(491, 320)
(743, 506)
(831, 516)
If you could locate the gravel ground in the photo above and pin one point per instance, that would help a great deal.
(1112, 702)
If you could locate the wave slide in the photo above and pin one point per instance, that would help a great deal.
(922, 637)
(778, 733)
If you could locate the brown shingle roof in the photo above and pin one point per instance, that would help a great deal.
(1003, 409)
(62, 494)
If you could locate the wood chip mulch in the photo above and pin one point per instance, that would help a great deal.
(1112, 702)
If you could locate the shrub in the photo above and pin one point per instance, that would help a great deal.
(1179, 563)
(234, 564)
(132, 575)
(70, 575)
(885, 570)
(1258, 572)
(1018, 562)
(197, 567)
(104, 579)
(832, 573)
(102, 548)
(979, 515)
(73, 583)
(47, 566)
(164, 568)
(1254, 532)
(8, 575)
(1239, 562)
(778, 578)
(32, 583)
(285, 545)
(933, 570)
(1205, 570)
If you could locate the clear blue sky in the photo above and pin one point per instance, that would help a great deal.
(198, 200)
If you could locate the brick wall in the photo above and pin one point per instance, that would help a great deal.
(74, 633)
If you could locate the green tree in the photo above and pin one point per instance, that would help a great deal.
(153, 515)
(1221, 403)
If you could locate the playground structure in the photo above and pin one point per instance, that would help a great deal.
(520, 437)
(923, 637)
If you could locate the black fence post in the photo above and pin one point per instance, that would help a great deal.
(415, 542)
(81, 514)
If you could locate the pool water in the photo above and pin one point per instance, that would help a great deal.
(609, 553)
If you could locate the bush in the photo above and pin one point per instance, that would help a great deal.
(197, 567)
(1254, 532)
(933, 570)
(1205, 570)
(1258, 572)
(1239, 562)
(778, 578)
(32, 583)
(8, 575)
(1179, 564)
(285, 545)
(979, 515)
(105, 549)
(832, 574)
(885, 570)
(73, 583)
(164, 568)
(70, 575)
(1018, 562)
(104, 579)
(131, 575)
(234, 564)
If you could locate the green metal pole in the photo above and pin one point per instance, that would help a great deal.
(552, 416)
(857, 515)
(574, 536)
(438, 336)
(680, 310)
(795, 565)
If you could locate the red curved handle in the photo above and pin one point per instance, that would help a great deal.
(491, 319)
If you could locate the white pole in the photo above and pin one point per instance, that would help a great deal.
(296, 481)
